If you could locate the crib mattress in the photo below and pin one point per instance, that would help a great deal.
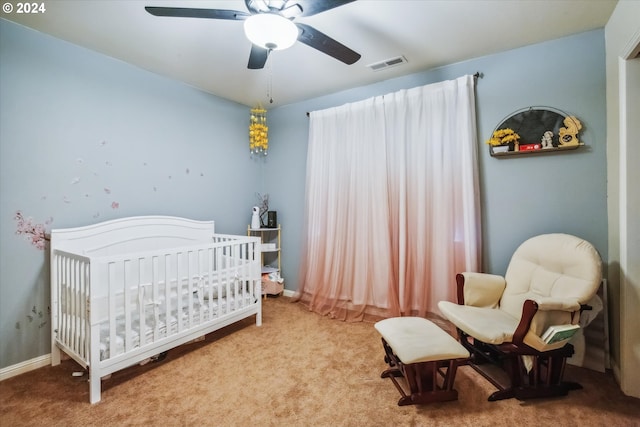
(157, 327)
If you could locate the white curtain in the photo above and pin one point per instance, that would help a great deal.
(392, 202)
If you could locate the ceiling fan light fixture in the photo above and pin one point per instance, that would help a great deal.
(270, 31)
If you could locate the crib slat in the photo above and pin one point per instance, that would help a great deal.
(72, 304)
(179, 256)
(245, 273)
(112, 280)
(211, 281)
(217, 280)
(142, 328)
(155, 297)
(200, 271)
(244, 285)
(86, 309)
(227, 281)
(126, 266)
(77, 313)
(189, 307)
(198, 281)
(167, 295)
(221, 286)
(73, 299)
(77, 318)
(235, 255)
(73, 324)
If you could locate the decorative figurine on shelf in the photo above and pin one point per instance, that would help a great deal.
(263, 203)
(501, 139)
(547, 140)
(255, 218)
(569, 134)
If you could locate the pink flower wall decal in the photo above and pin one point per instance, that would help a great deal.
(36, 234)
(115, 205)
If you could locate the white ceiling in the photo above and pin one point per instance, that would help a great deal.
(212, 54)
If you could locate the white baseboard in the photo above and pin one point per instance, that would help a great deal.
(26, 366)
(288, 293)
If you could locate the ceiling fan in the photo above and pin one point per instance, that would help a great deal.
(269, 25)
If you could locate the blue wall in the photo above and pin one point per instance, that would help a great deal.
(85, 138)
(521, 196)
(80, 131)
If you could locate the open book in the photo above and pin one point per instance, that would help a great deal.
(558, 333)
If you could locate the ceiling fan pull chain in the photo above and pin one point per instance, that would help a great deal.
(270, 82)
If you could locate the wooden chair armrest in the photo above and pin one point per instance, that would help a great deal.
(529, 309)
(460, 288)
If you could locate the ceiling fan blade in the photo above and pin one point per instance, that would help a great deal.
(322, 42)
(312, 7)
(257, 6)
(182, 12)
(257, 57)
(291, 11)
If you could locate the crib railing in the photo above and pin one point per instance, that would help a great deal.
(70, 286)
(135, 300)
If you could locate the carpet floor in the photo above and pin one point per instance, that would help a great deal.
(297, 369)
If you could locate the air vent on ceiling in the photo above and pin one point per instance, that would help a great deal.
(388, 63)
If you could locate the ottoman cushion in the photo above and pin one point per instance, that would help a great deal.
(415, 340)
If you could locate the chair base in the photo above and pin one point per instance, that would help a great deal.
(526, 392)
(503, 366)
(427, 382)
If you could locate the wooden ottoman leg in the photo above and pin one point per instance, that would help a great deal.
(391, 360)
(422, 379)
(425, 355)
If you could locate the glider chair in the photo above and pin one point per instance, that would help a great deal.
(501, 320)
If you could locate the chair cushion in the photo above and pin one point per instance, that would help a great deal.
(483, 290)
(560, 271)
(484, 323)
(551, 265)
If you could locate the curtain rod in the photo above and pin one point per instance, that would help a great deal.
(476, 76)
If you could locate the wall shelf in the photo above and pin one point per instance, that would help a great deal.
(533, 152)
(269, 258)
(540, 129)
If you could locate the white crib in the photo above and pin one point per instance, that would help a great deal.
(125, 290)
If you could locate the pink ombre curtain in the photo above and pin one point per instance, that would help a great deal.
(392, 202)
